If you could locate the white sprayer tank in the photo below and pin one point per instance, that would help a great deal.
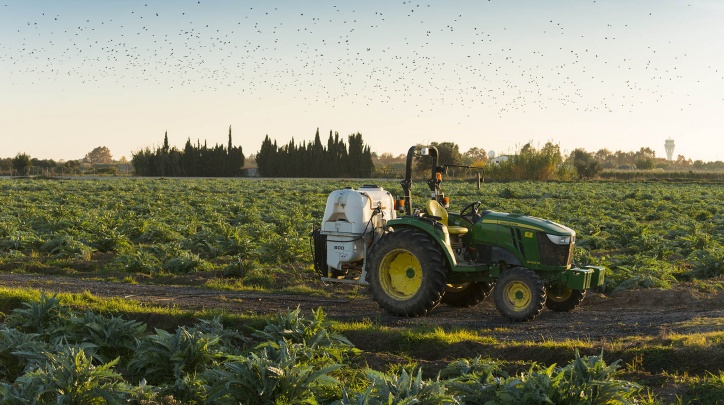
(350, 219)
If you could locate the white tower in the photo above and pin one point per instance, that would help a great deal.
(669, 145)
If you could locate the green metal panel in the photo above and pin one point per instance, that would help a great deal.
(527, 223)
(484, 233)
(598, 275)
(577, 279)
(517, 234)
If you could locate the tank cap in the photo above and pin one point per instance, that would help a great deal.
(371, 186)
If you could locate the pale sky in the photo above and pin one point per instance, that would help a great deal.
(615, 74)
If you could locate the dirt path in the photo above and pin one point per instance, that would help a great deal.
(641, 312)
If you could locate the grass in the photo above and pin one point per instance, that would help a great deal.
(708, 389)
(164, 317)
(677, 360)
(692, 353)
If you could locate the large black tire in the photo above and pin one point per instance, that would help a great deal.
(406, 273)
(519, 294)
(565, 300)
(467, 294)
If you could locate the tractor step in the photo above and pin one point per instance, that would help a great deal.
(344, 281)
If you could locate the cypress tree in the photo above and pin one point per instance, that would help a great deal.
(313, 159)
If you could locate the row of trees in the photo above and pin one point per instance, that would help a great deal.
(336, 159)
(528, 163)
(546, 163)
(99, 160)
(193, 161)
(314, 159)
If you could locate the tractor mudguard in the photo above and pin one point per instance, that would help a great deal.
(429, 227)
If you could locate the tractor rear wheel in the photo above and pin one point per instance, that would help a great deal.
(519, 294)
(466, 294)
(406, 273)
(565, 300)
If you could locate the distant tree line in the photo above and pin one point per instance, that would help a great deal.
(337, 159)
(315, 159)
(24, 165)
(546, 163)
(193, 161)
(531, 163)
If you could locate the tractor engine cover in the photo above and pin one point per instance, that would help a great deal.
(350, 219)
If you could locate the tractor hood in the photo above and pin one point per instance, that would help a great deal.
(527, 222)
(529, 241)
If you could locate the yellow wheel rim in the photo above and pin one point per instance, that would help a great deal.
(564, 295)
(518, 296)
(400, 274)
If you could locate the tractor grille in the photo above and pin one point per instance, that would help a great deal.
(552, 254)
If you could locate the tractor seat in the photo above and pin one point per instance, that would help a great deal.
(436, 210)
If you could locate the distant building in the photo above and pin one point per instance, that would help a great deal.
(669, 145)
(250, 172)
(499, 159)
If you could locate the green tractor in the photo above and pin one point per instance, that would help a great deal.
(428, 256)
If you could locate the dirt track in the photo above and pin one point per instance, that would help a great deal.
(641, 312)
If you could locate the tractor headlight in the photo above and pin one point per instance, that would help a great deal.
(559, 240)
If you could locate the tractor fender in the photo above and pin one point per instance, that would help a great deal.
(431, 227)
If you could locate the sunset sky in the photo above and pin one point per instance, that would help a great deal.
(492, 74)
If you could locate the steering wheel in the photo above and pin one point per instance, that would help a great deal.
(472, 207)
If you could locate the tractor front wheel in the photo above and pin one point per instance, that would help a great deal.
(406, 273)
(466, 294)
(519, 294)
(565, 300)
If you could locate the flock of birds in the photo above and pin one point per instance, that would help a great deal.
(422, 55)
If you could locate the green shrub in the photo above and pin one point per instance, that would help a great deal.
(293, 328)
(164, 356)
(476, 381)
(45, 317)
(66, 246)
(20, 240)
(405, 388)
(111, 336)
(283, 249)
(157, 232)
(585, 380)
(138, 262)
(185, 262)
(70, 377)
(231, 341)
(707, 263)
(17, 351)
(274, 374)
(111, 240)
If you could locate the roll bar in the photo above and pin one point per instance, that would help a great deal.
(433, 182)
